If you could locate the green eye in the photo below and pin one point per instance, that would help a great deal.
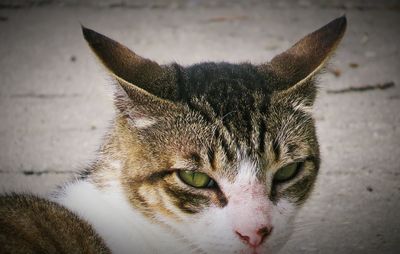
(196, 179)
(286, 173)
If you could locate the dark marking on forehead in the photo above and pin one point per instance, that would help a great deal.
(230, 155)
(230, 92)
(291, 148)
(276, 147)
(235, 94)
(195, 158)
(211, 158)
(261, 136)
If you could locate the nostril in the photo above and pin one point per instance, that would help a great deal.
(254, 238)
(245, 238)
(264, 232)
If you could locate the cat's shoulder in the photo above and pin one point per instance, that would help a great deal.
(30, 224)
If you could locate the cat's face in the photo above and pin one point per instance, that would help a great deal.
(237, 201)
(222, 155)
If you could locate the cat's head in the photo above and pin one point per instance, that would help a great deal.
(221, 154)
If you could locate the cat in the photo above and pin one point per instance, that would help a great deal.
(208, 158)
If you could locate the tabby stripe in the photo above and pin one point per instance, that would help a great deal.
(211, 158)
(157, 176)
(195, 107)
(276, 148)
(301, 189)
(230, 156)
(291, 148)
(221, 198)
(262, 129)
(187, 202)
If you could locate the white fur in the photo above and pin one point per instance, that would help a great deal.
(143, 122)
(247, 171)
(126, 230)
(301, 105)
(123, 229)
(115, 165)
(283, 214)
(213, 230)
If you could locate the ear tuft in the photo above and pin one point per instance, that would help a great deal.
(139, 107)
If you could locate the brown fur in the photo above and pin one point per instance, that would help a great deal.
(29, 224)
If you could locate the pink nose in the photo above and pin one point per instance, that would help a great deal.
(254, 238)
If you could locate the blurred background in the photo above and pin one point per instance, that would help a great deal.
(56, 103)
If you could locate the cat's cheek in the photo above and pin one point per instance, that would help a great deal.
(283, 215)
(216, 234)
(209, 230)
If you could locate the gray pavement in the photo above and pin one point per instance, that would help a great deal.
(55, 99)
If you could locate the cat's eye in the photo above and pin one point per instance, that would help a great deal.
(196, 179)
(287, 172)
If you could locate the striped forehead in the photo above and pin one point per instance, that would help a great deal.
(266, 145)
(242, 169)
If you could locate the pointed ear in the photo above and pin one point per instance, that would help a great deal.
(305, 58)
(130, 67)
(143, 87)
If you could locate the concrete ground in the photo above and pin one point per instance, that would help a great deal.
(55, 100)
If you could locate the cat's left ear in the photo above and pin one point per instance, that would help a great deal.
(145, 89)
(299, 64)
(126, 65)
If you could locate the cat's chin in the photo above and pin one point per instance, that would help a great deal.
(262, 250)
(251, 251)
(267, 248)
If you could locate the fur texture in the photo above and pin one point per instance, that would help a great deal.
(30, 224)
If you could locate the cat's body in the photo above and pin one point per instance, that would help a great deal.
(210, 158)
(29, 224)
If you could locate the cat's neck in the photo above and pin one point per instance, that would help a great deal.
(124, 229)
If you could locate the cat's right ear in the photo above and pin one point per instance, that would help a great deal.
(143, 84)
(305, 58)
(293, 70)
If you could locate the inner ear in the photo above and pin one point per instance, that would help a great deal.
(139, 106)
(300, 97)
(307, 56)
